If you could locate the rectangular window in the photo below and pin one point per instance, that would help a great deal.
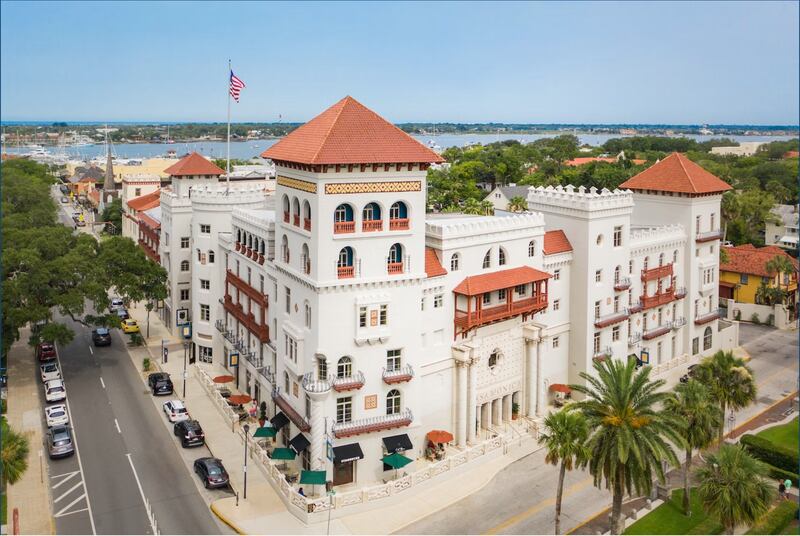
(308, 411)
(249, 274)
(362, 317)
(308, 315)
(206, 354)
(617, 236)
(616, 304)
(393, 360)
(184, 242)
(422, 304)
(384, 315)
(555, 342)
(596, 345)
(205, 228)
(205, 312)
(596, 309)
(290, 348)
(501, 294)
(743, 279)
(615, 334)
(556, 275)
(658, 352)
(697, 252)
(184, 294)
(697, 224)
(137, 192)
(288, 300)
(261, 283)
(205, 284)
(598, 276)
(713, 217)
(487, 297)
(438, 300)
(695, 345)
(344, 409)
(630, 267)
(556, 305)
(522, 289)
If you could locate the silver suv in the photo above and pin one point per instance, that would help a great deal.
(59, 442)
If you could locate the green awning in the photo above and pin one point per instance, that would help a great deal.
(396, 460)
(316, 478)
(283, 454)
(265, 431)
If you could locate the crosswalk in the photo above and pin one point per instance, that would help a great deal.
(69, 494)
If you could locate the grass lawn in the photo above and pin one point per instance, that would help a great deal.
(785, 435)
(669, 519)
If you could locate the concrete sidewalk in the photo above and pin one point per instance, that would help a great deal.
(31, 494)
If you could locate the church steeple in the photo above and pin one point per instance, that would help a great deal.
(108, 184)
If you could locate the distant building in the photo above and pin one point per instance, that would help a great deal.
(783, 234)
(583, 160)
(745, 148)
(501, 195)
(791, 154)
(746, 269)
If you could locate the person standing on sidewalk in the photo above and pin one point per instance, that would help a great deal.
(782, 489)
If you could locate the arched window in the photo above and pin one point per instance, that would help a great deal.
(394, 263)
(454, 262)
(211, 256)
(308, 320)
(306, 215)
(262, 249)
(343, 219)
(344, 368)
(239, 235)
(532, 248)
(502, 257)
(617, 271)
(286, 208)
(285, 249)
(306, 259)
(645, 263)
(286, 382)
(393, 402)
(296, 211)
(487, 259)
(675, 256)
(661, 259)
(345, 257)
(184, 266)
(707, 339)
(372, 211)
(398, 216)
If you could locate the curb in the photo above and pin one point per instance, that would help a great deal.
(224, 519)
(734, 433)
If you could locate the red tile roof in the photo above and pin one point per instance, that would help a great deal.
(589, 159)
(791, 154)
(148, 221)
(350, 133)
(146, 201)
(433, 268)
(556, 242)
(193, 164)
(748, 259)
(478, 284)
(676, 173)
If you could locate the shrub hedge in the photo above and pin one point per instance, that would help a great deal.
(708, 526)
(777, 473)
(770, 453)
(776, 519)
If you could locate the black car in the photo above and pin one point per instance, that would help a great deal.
(101, 337)
(159, 383)
(211, 472)
(190, 433)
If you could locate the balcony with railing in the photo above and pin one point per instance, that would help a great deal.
(659, 298)
(340, 227)
(622, 283)
(348, 383)
(635, 307)
(289, 411)
(634, 339)
(296, 220)
(398, 375)
(372, 424)
(603, 354)
(345, 272)
(372, 225)
(286, 216)
(678, 323)
(150, 251)
(708, 236)
(680, 292)
(705, 318)
(398, 224)
(312, 384)
(611, 319)
(247, 319)
(307, 224)
(657, 273)
(242, 286)
(393, 268)
(657, 331)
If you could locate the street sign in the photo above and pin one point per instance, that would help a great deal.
(233, 359)
(166, 354)
(645, 357)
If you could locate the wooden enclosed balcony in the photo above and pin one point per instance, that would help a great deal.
(659, 298)
(241, 285)
(246, 319)
(289, 411)
(657, 273)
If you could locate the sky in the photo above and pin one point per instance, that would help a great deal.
(471, 62)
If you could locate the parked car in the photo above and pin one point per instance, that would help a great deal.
(54, 391)
(159, 383)
(175, 411)
(129, 325)
(64, 200)
(116, 303)
(122, 313)
(211, 472)
(56, 415)
(80, 223)
(49, 371)
(59, 442)
(101, 337)
(690, 374)
(45, 351)
(190, 433)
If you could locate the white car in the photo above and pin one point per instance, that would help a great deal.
(49, 371)
(116, 303)
(176, 411)
(56, 415)
(54, 391)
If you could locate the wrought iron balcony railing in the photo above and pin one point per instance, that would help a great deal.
(372, 424)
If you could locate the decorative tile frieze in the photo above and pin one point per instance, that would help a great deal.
(297, 184)
(372, 187)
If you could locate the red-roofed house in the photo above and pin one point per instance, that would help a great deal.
(132, 209)
(746, 269)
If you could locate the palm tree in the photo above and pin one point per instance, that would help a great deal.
(472, 206)
(487, 208)
(701, 419)
(732, 487)
(517, 204)
(778, 265)
(565, 441)
(729, 380)
(630, 434)
(13, 454)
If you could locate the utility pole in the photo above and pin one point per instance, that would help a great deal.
(246, 428)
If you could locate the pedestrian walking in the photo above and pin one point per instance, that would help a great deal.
(782, 489)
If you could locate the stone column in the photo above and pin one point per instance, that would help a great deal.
(472, 404)
(496, 403)
(485, 415)
(531, 377)
(461, 407)
(318, 455)
(506, 408)
(540, 402)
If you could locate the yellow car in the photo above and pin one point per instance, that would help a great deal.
(130, 326)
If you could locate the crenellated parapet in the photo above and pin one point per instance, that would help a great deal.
(581, 199)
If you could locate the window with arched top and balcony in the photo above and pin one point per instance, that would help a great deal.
(343, 221)
(532, 248)
(344, 264)
(617, 273)
(707, 338)
(501, 261)
(394, 263)
(344, 368)
(487, 259)
(393, 402)
(645, 263)
(661, 259)
(296, 212)
(675, 256)
(306, 259)
(454, 262)
(285, 249)
(286, 208)
(306, 215)
(371, 218)
(398, 216)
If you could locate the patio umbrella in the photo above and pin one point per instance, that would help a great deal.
(560, 388)
(237, 400)
(439, 436)
(315, 478)
(396, 461)
(265, 431)
(224, 379)
(281, 453)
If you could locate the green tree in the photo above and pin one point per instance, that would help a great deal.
(778, 266)
(732, 487)
(564, 438)
(768, 295)
(701, 420)
(487, 208)
(517, 204)
(630, 435)
(113, 215)
(13, 453)
(729, 380)
(473, 206)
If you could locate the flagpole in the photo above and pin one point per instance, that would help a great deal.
(228, 159)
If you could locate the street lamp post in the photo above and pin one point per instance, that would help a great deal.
(185, 352)
(246, 428)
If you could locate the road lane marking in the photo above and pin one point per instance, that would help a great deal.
(80, 464)
(70, 490)
(73, 512)
(90, 350)
(102, 382)
(67, 475)
(117, 425)
(139, 484)
(67, 507)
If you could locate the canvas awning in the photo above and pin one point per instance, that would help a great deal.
(560, 388)
(265, 431)
(313, 478)
(347, 453)
(279, 420)
(299, 443)
(397, 443)
(396, 460)
(283, 454)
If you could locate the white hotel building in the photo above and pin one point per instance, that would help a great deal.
(367, 323)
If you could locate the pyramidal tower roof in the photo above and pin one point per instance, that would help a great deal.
(676, 173)
(193, 164)
(350, 133)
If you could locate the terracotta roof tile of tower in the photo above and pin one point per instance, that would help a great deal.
(350, 133)
(146, 201)
(556, 242)
(676, 173)
(433, 268)
(479, 284)
(193, 164)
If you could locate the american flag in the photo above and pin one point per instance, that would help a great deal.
(236, 87)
